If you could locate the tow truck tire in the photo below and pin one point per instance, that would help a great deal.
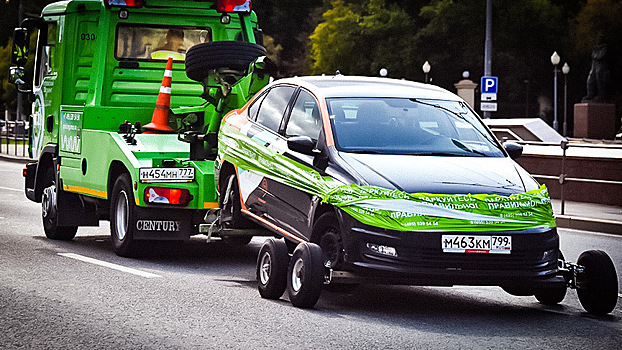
(272, 264)
(597, 287)
(231, 213)
(552, 296)
(49, 211)
(305, 275)
(122, 218)
(235, 55)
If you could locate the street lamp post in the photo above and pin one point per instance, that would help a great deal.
(565, 70)
(555, 60)
(426, 69)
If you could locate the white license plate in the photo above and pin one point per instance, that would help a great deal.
(476, 244)
(166, 174)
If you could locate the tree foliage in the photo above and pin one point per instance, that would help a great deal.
(362, 36)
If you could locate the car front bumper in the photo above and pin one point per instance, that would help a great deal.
(420, 260)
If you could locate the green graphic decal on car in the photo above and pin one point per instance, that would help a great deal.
(397, 210)
(393, 209)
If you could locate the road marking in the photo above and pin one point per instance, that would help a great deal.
(620, 295)
(11, 189)
(109, 265)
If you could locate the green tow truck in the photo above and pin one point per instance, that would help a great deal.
(102, 149)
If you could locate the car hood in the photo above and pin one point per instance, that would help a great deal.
(441, 174)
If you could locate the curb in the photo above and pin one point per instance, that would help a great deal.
(589, 224)
(16, 159)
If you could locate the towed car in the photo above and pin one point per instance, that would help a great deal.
(374, 180)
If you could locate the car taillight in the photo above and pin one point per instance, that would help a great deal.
(167, 195)
(124, 3)
(233, 5)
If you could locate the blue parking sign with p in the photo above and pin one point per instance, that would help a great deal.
(489, 85)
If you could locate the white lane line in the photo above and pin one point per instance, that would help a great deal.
(11, 189)
(620, 295)
(109, 265)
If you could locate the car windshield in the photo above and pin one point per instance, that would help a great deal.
(146, 43)
(409, 126)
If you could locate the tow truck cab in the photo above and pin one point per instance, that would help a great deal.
(99, 68)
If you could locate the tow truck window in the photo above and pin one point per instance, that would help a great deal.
(148, 43)
(45, 59)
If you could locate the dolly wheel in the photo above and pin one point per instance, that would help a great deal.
(272, 268)
(597, 286)
(305, 276)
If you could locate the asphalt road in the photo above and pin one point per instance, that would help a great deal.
(204, 296)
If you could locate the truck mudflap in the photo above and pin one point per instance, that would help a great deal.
(30, 172)
(163, 224)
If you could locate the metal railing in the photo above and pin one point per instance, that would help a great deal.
(15, 132)
(562, 178)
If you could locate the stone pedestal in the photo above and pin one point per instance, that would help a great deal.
(466, 89)
(595, 120)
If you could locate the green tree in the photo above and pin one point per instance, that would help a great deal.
(361, 38)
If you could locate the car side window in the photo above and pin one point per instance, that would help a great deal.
(254, 107)
(273, 107)
(305, 117)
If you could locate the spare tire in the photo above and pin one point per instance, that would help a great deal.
(236, 55)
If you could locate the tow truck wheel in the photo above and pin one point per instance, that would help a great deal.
(552, 296)
(272, 268)
(305, 275)
(122, 217)
(597, 286)
(235, 55)
(49, 211)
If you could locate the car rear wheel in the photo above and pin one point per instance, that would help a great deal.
(272, 263)
(597, 286)
(49, 210)
(305, 275)
(231, 205)
(235, 55)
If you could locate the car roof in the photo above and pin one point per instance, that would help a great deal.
(357, 86)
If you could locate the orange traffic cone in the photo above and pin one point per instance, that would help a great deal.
(159, 120)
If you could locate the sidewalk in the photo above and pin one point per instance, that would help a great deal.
(589, 216)
(577, 215)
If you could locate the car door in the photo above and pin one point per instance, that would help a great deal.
(266, 116)
(291, 207)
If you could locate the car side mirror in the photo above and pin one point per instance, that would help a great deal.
(302, 144)
(513, 149)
